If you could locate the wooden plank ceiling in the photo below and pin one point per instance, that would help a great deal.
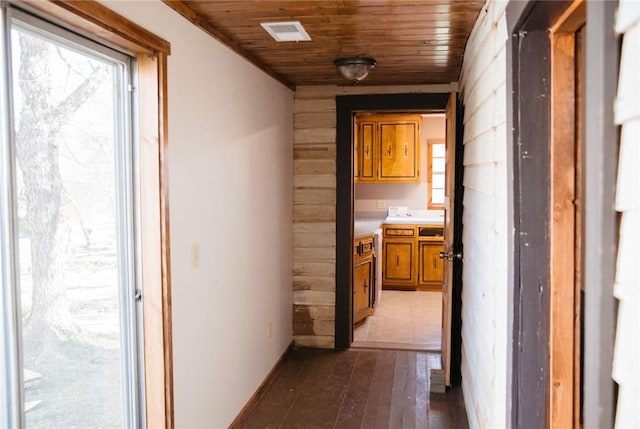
(414, 42)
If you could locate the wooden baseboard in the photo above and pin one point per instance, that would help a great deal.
(244, 413)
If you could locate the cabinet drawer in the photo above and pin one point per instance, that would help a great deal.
(363, 248)
(400, 232)
(430, 231)
(366, 247)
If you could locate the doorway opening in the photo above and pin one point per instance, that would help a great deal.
(399, 168)
(346, 108)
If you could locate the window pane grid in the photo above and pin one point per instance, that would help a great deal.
(436, 169)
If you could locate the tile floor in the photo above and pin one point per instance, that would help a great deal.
(403, 320)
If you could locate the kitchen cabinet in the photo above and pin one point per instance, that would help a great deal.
(363, 278)
(387, 148)
(411, 257)
(399, 255)
(430, 270)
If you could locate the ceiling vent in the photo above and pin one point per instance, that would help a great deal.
(286, 31)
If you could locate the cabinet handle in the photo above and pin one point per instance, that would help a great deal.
(366, 150)
(435, 263)
(398, 261)
(365, 285)
(389, 150)
(406, 150)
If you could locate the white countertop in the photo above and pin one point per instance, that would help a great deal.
(369, 226)
(366, 226)
(415, 220)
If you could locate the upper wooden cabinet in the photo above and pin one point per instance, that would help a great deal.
(387, 148)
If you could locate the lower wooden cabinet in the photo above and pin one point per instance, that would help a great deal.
(363, 278)
(430, 271)
(399, 262)
(411, 261)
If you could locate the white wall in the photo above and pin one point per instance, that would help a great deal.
(230, 178)
(412, 195)
(485, 278)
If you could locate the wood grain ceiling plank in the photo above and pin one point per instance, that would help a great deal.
(180, 7)
(379, 21)
(311, 8)
(342, 31)
(405, 37)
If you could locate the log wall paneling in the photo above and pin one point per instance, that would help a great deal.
(314, 215)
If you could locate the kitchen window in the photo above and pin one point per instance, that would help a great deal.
(435, 173)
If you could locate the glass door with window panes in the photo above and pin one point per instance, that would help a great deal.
(68, 231)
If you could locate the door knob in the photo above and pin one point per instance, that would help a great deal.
(450, 256)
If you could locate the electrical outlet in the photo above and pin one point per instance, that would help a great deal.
(381, 204)
(270, 330)
(195, 255)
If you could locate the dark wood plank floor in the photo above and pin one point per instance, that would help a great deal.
(356, 389)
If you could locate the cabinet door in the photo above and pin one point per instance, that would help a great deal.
(356, 150)
(431, 267)
(362, 284)
(398, 151)
(398, 262)
(366, 138)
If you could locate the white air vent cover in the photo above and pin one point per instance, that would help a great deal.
(286, 31)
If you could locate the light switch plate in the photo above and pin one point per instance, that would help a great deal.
(195, 255)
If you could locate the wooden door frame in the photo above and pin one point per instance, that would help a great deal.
(529, 198)
(566, 219)
(346, 107)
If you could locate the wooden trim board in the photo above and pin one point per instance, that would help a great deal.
(97, 21)
(564, 232)
(244, 413)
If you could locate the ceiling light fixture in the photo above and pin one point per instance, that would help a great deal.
(355, 69)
